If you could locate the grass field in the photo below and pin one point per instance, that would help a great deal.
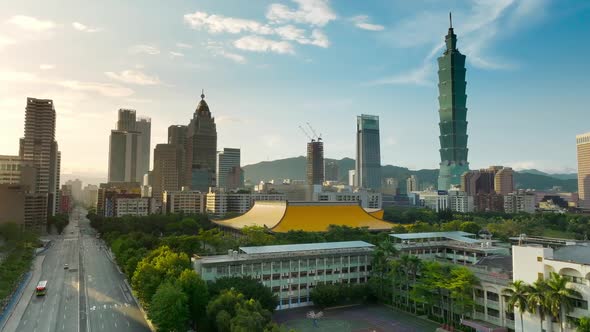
(363, 318)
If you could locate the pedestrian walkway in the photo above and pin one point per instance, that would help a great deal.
(18, 311)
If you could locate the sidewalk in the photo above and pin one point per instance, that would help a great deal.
(17, 312)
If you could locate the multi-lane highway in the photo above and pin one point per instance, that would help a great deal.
(90, 295)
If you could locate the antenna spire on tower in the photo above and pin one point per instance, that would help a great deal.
(202, 93)
(450, 20)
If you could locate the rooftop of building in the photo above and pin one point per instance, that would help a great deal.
(548, 241)
(500, 262)
(285, 216)
(454, 235)
(575, 253)
(288, 250)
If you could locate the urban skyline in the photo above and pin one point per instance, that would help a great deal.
(167, 99)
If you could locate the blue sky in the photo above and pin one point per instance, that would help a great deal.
(269, 66)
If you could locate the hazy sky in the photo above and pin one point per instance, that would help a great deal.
(269, 66)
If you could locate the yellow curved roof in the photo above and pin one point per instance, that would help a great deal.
(263, 213)
(377, 213)
(282, 217)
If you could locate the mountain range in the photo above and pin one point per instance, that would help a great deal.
(294, 168)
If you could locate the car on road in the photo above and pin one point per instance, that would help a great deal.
(66, 266)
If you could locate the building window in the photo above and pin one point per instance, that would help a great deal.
(539, 259)
(540, 276)
(493, 312)
(493, 296)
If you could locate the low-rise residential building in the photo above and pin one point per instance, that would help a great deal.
(185, 201)
(520, 201)
(459, 201)
(292, 271)
(535, 262)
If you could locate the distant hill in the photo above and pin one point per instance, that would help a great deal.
(566, 176)
(294, 168)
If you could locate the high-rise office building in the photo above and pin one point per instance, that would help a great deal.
(201, 149)
(76, 188)
(332, 171)
(39, 147)
(165, 173)
(583, 149)
(228, 161)
(368, 152)
(412, 184)
(504, 181)
(127, 145)
(177, 137)
(315, 162)
(144, 126)
(453, 114)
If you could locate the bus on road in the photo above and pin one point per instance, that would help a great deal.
(41, 288)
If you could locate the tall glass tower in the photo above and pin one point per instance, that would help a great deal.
(453, 113)
(368, 152)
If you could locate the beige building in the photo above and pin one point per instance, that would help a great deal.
(504, 181)
(520, 201)
(583, 145)
(185, 201)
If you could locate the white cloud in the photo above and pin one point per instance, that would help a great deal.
(217, 49)
(183, 45)
(134, 77)
(218, 23)
(31, 23)
(417, 76)
(84, 28)
(105, 89)
(5, 41)
(175, 54)
(147, 49)
(313, 12)
(360, 21)
(291, 32)
(260, 44)
(46, 66)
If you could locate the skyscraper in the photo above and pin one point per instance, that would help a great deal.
(453, 114)
(165, 173)
(228, 161)
(177, 137)
(39, 147)
(583, 148)
(201, 148)
(504, 181)
(368, 152)
(315, 162)
(127, 145)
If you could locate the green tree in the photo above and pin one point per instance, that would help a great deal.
(382, 254)
(257, 236)
(324, 295)
(560, 297)
(250, 288)
(197, 295)
(160, 265)
(250, 316)
(222, 307)
(470, 227)
(583, 324)
(518, 294)
(169, 309)
(460, 286)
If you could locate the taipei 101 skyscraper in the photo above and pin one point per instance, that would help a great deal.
(453, 113)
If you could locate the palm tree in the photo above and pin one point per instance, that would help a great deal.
(518, 294)
(560, 297)
(537, 299)
(382, 253)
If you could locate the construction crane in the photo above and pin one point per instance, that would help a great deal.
(306, 134)
(318, 137)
